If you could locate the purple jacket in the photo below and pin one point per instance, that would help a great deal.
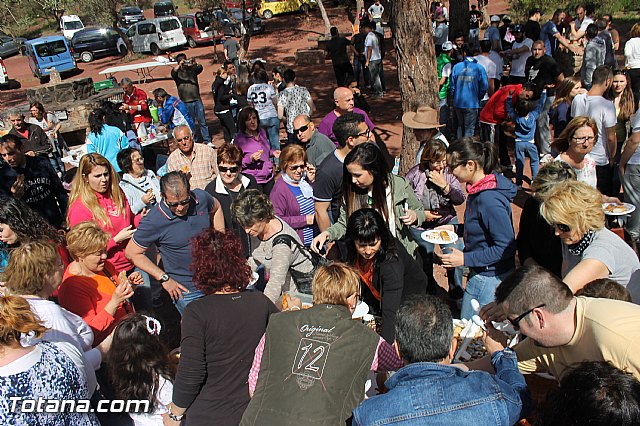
(262, 169)
(326, 125)
(287, 208)
(436, 200)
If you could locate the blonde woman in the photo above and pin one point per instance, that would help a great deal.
(97, 197)
(91, 286)
(589, 250)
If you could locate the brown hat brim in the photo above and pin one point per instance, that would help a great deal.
(408, 119)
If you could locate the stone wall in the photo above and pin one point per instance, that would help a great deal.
(53, 94)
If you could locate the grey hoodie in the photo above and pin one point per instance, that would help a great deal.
(594, 54)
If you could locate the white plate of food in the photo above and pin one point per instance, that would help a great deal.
(617, 209)
(440, 236)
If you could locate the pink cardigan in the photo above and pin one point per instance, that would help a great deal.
(78, 212)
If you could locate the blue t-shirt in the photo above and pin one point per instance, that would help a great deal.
(493, 33)
(306, 207)
(173, 234)
(548, 35)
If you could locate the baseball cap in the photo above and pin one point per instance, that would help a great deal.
(517, 28)
(447, 46)
(495, 18)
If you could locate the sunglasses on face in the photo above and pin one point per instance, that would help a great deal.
(224, 169)
(302, 129)
(297, 167)
(562, 227)
(514, 322)
(179, 203)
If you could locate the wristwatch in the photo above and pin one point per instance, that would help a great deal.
(164, 278)
(174, 417)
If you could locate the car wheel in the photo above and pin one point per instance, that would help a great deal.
(267, 14)
(123, 49)
(192, 42)
(86, 56)
(44, 79)
(155, 50)
(305, 8)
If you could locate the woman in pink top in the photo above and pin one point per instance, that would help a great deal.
(96, 197)
(256, 148)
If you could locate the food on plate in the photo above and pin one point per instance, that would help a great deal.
(615, 208)
(444, 235)
(285, 302)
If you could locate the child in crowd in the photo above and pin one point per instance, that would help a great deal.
(138, 368)
(605, 288)
(525, 117)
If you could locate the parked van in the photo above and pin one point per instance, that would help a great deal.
(197, 28)
(4, 76)
(70, 24)
(163, 8)
(93, 43)
(156, 35)
(48, 53)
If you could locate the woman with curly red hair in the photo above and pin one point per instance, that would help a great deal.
(219, 334)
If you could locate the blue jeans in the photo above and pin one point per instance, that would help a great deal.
(196, 111)
(482, 288)
(272, 127)
(455, 278)
(375, 68)
(181, 304)
(467, 120)
(358, 66)
(523, 149)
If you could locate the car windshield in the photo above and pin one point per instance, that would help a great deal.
(51, 48)
(171, 24)
(73, 25)
(131, 11)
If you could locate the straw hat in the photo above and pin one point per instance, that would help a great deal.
(424, 118)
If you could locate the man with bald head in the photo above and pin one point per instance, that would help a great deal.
(317, 145)
(343, 98)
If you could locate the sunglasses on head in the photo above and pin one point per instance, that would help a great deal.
(179, 203)
(224, 169)
(302, 129)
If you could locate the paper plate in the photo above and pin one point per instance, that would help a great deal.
(437, 237)
(615, 209)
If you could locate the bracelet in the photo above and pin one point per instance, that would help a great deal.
(294, 308)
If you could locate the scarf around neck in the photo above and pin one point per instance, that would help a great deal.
(578, 248)
(305, 188)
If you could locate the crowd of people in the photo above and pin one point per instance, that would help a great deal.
(217, 283)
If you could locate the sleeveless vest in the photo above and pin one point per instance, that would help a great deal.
(313, 370)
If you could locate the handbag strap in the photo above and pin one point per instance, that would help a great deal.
(288, 240)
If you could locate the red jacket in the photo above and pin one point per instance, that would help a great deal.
(494, 111)
(138, 98)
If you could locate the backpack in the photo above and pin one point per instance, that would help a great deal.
(301, 279)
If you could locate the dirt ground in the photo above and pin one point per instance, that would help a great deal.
(283, 36)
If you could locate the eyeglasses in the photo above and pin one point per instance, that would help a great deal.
(186, 138)
(179, 203)
(302, 129)
(584, 139)
(297, 167)
(561, 227)
(224, 169)
(514, 322)
(365, 134)
(138, 160)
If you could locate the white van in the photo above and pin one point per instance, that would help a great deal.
(70, 24)
(156, 35)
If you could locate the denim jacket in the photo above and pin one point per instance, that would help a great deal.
(427, 393)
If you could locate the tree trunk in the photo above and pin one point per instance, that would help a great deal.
(325, 18)
(459, 19)
(116, 27)
(415, 53)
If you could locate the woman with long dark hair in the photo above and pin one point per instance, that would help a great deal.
(489, 240)
(219, 334)
(388, 274)
(224, 91)
(20, 224)
(51, 125)
(253, 141)
(138, 367)
(560, 111)
(367, 182)
(104, 139)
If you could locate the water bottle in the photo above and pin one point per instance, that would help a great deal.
(152, 131)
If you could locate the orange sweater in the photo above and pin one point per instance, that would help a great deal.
(87, 297)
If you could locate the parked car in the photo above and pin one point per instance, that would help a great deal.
(130, 15)
(70, 24)
(231, 27)
(268, 8)
(237, 4)
(10, 46)
(92, 43)
(156, 35)
(164, 8)
(197, 28)
(48, 53)
(4, 76)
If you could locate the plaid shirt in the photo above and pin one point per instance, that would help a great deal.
(202, 166)
(385, 359)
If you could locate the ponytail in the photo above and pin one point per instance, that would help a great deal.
(16, 318)
(485, 154)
